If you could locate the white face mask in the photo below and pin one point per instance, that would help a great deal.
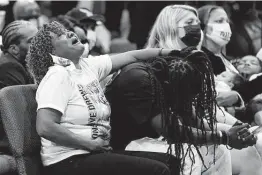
(220, 33)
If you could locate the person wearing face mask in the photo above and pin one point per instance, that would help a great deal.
(183, 29)
(132, 93)
(217, 33)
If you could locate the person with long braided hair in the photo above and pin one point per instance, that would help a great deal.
(171, 96)
(134, 97)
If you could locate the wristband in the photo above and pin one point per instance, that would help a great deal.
(160, 52)
(225, 138)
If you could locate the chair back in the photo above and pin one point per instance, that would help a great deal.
(18, 111)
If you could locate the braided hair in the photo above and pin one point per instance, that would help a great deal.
(184, 83)
(38, 58)
(10, 34)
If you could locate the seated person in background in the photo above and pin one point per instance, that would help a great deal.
(224, 82)
(16, 39)
(227, 80)
(249, 67)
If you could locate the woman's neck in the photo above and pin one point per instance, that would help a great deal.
(76, 63)
(213, 47)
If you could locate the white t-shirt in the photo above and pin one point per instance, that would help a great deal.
(78, 96)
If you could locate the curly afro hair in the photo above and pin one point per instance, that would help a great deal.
(38, 58)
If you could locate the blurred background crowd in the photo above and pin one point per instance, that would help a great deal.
(127, 23)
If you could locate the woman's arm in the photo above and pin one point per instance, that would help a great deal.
(48, 126)
(199, 138)
(123, 59)
(220, 126)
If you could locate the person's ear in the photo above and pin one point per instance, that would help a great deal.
(14, 49)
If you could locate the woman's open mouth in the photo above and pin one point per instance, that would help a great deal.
(75, 41)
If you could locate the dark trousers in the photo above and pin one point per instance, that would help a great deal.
(116, 163)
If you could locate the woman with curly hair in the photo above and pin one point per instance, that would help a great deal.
(73, 113)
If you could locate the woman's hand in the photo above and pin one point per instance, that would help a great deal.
(240, 137)
(98, 145)
(227, 99)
